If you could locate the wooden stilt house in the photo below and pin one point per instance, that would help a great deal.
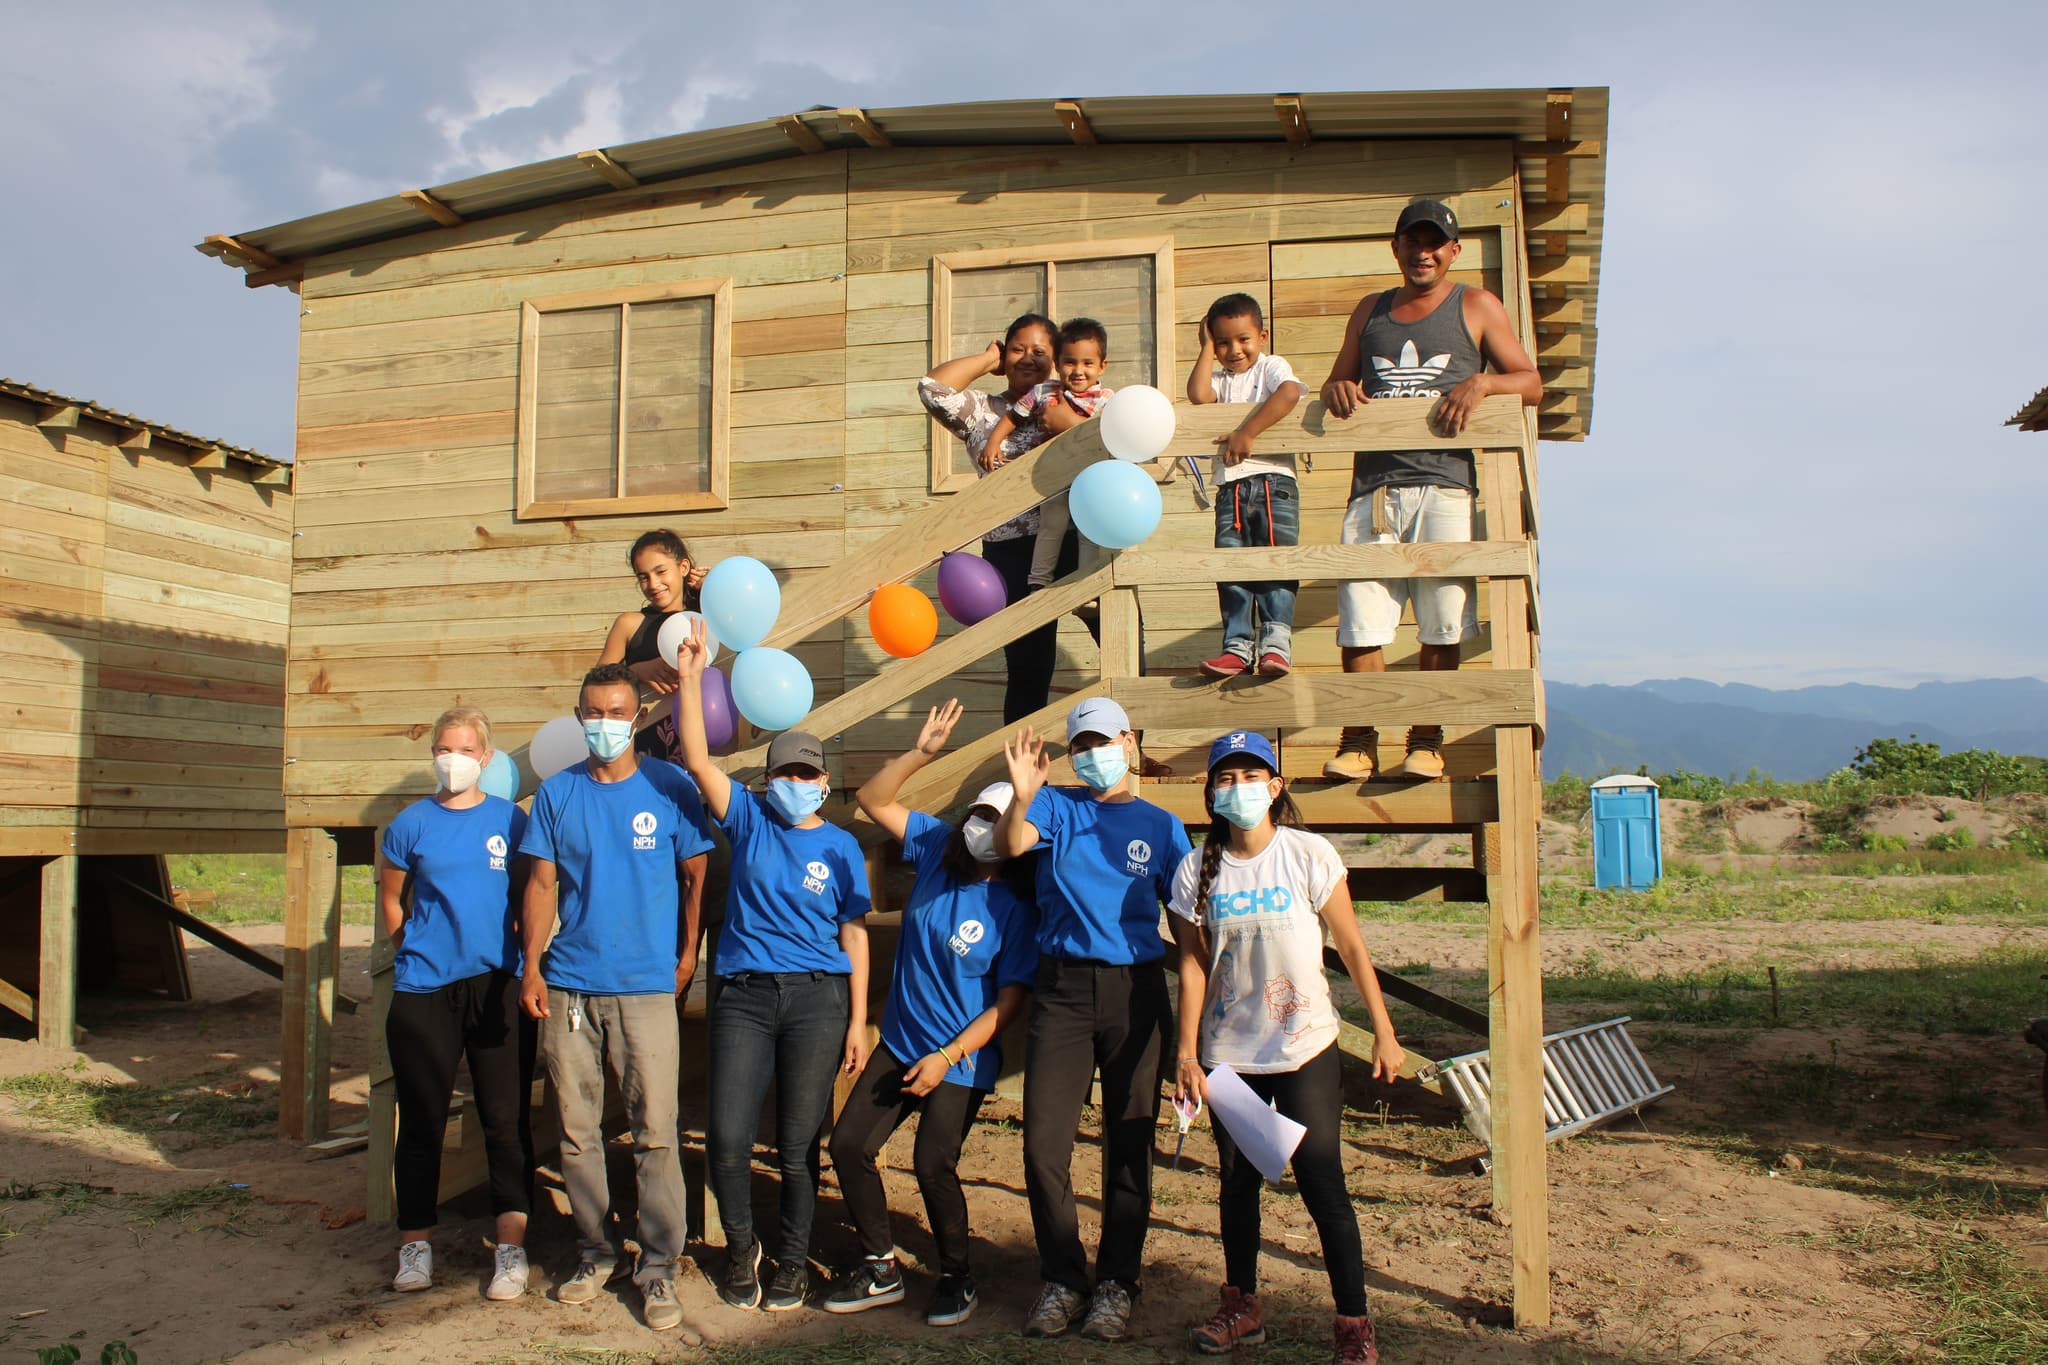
(505, 379)
(143, 602)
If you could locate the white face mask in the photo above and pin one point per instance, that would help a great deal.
(980, 835)
(458, 772)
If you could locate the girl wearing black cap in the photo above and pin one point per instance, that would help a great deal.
(964, 968)
(1249, 911)
(792, 974)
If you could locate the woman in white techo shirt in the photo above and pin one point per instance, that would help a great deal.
(1249, 911)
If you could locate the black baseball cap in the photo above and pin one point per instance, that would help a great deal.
(1434, 212)
(793, 747)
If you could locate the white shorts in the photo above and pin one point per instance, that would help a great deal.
(1446, 612)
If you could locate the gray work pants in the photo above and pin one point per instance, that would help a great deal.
(636, 1034)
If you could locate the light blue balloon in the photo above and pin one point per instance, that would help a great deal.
(741, 600)
(1115, 504)
(501, 777)
(771, 688)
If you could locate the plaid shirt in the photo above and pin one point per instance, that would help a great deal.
(1034, 403)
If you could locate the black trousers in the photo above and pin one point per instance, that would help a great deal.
(428, 1033)
(1086, 1017)
(876, 1109)
(1314, 1097)
(1029, 660)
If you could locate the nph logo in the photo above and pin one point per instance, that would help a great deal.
(495, 846)
(1138, 857)
(964, 938)
(643, 829)
(820, 874)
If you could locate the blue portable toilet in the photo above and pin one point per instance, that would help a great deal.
(1628, 837)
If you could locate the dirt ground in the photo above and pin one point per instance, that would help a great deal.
(1685, 1235)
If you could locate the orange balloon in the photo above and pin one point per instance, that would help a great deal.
(903, 620)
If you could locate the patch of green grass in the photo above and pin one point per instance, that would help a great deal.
(1988, 1307)
(248, 888)
(215, 1106)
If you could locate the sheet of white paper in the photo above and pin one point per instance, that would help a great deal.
(1266, 1137)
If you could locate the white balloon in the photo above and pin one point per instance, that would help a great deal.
(669, 639)
(556, 745)
(1137, 423)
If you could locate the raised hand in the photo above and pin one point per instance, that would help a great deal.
(692, 658)
(938, 727)
(1028, 763)
(998, 358)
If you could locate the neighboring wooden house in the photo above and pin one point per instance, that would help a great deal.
(143, 606)
(2032, 417)
(504, 380)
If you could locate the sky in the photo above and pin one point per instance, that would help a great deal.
(1822, 281)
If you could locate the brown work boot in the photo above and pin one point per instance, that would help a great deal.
(1354, 761)
(1425, 753)
(1235, 1323)
(1355, 1343)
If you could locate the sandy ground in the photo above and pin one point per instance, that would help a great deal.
(1662, 1243)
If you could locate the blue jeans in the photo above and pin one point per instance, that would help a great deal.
(788, 1028)
(1264, 509)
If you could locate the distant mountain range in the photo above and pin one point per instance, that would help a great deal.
(1796, 735)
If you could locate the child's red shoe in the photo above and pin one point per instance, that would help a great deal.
(1273, 664)
(1225, 666)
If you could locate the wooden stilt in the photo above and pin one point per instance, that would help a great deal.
(312, 953)
(57, 977)
(380, 1200)
(1515, 967)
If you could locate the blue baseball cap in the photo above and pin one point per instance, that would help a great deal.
(1097, 716)
(1243, 744)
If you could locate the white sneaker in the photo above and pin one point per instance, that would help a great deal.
(510, 1280)
(415, 1267)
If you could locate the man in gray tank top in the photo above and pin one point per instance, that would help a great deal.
(1453, 345)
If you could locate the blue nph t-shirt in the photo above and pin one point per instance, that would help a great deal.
(463, 922)
(615, 847)
(791, 890)
(1110, 869)
(961, 943)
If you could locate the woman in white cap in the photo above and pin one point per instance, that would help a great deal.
(1249, 912)
(792, 987)
(964, 967)
(1101, 1005)
(455, 974)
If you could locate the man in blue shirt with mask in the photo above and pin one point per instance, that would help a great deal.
(618, 845)
(1100, 1005)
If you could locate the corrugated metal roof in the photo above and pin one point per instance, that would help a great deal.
(2034, 416)
(87, 409)
(1564, 128)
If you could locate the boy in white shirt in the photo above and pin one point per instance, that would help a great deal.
(1257, 502)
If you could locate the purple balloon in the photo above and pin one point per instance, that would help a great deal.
(970, 589)
(721, 721)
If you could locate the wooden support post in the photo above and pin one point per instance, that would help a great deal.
(57, 978)
(380, 1199)
(1515, 973)
(1122, 654)
(312, 952)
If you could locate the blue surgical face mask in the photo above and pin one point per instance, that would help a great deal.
(1243, 804)
(607, 739)
(795, 801)
(1101, 767)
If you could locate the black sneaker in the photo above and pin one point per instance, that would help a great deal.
(952, 1301)
(871, 1284)
(792, 1281)
(742, 1285)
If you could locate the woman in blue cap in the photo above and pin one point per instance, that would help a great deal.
(1249, 914)
(1101, 1005)
(965, 962)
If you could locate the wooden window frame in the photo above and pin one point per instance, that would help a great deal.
(717, 496)
(1159, 249)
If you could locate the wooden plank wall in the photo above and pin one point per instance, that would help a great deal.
(143, 607)
(414, 585)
